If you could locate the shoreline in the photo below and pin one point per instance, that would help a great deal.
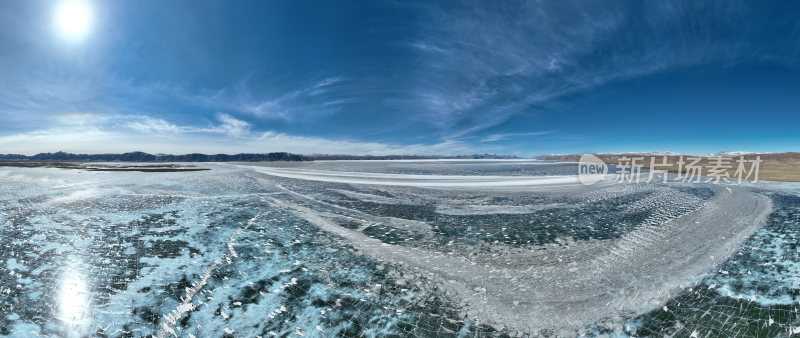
(145, 168)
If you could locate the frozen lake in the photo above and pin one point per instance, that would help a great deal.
(408, 248)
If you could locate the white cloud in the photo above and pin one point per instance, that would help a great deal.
(229, 136)
(504, 136)
(283, 106)
(483, 64)
(228, 125)
(146, 124)
(233, 127)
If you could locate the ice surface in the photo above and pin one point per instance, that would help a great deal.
(405, 248)
(417, 180)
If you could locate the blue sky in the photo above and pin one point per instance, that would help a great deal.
(379, 77)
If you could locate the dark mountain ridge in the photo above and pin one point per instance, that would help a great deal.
(139, 156)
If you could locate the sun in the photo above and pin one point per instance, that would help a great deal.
(73, 19)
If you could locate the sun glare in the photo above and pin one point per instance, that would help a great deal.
(73, 19)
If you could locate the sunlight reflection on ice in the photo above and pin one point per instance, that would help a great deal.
(74, 299)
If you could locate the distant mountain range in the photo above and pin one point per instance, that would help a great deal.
(266, 157)
(614, 156)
